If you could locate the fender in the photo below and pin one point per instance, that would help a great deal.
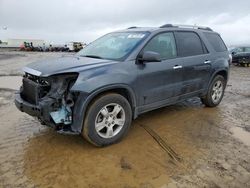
(84, 101)
(215, 73)
(221, 64)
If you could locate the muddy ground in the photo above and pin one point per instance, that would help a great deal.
(194, 146)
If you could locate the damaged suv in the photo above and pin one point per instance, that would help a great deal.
(98, 91)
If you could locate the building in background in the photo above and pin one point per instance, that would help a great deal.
(16, 43)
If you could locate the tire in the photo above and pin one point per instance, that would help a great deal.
(108, 120)
(209, 99)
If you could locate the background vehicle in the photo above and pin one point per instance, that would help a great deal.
(75, 46)
(241, 56)
(27, 46)
(123, 74)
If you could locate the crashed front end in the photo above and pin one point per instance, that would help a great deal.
(48, 98)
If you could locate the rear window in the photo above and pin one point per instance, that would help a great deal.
(188, 44)
(216, 41)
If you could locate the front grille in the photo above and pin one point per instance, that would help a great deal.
(30, 91)
(34, 88)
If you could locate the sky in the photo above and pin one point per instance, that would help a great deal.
(61, 21)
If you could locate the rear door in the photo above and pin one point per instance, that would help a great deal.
(195, 61)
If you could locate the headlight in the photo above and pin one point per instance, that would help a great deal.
(61, 82)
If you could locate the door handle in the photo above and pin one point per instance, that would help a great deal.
(177, 67)
(207, 62)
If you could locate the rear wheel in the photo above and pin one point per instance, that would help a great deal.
(107, 120)
(215, 92)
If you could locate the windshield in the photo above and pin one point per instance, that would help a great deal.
(114, 46)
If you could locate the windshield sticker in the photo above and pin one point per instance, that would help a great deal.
(136, 36)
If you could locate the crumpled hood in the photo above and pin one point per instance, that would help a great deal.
(64, 65)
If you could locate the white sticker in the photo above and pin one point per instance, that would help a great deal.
(136, 36)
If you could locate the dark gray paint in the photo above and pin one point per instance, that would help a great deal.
(150, 85)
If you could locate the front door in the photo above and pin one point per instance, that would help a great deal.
(157, 81)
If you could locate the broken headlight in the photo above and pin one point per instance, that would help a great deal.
(65, 100)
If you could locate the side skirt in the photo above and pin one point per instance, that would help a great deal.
(173, 100)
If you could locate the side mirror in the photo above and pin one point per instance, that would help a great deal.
(233, 53)
(149, 57)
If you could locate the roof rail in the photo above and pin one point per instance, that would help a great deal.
(133, 27)
(187, 26)
(167, 25)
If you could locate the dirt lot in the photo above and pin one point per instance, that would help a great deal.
(194, 146)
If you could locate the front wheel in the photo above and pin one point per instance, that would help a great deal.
(107, 120)
(215, 92)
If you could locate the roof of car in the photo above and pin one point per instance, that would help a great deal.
(168, 27)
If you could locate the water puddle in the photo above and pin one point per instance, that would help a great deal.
(10, 82)
(241, 134)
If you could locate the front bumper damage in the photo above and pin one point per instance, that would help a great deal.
(23, 106)
(50, 100)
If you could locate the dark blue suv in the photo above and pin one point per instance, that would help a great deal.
(123, 74)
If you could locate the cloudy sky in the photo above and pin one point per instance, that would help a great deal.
(62, 21)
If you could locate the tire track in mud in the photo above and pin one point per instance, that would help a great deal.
(165, 146)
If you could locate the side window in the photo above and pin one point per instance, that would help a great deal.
(216, 41)
(188, 44)
(238, 50)
(164, 44)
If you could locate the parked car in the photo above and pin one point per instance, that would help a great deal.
(241, 56)
(110, 82)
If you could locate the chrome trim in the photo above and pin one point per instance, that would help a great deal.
(32, 71)
(177, 67)
(207, 62)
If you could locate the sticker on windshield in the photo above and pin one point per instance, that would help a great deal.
(135, 36)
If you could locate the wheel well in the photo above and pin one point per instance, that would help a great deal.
(223, 73)
(122, 91)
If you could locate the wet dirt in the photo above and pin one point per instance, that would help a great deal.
(241, 134)
(208, 143)
(10, 82)
(12, 62)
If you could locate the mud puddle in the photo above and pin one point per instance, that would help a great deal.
(33, 155)
(138, 161)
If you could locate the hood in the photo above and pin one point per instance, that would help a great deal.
(65, 65)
